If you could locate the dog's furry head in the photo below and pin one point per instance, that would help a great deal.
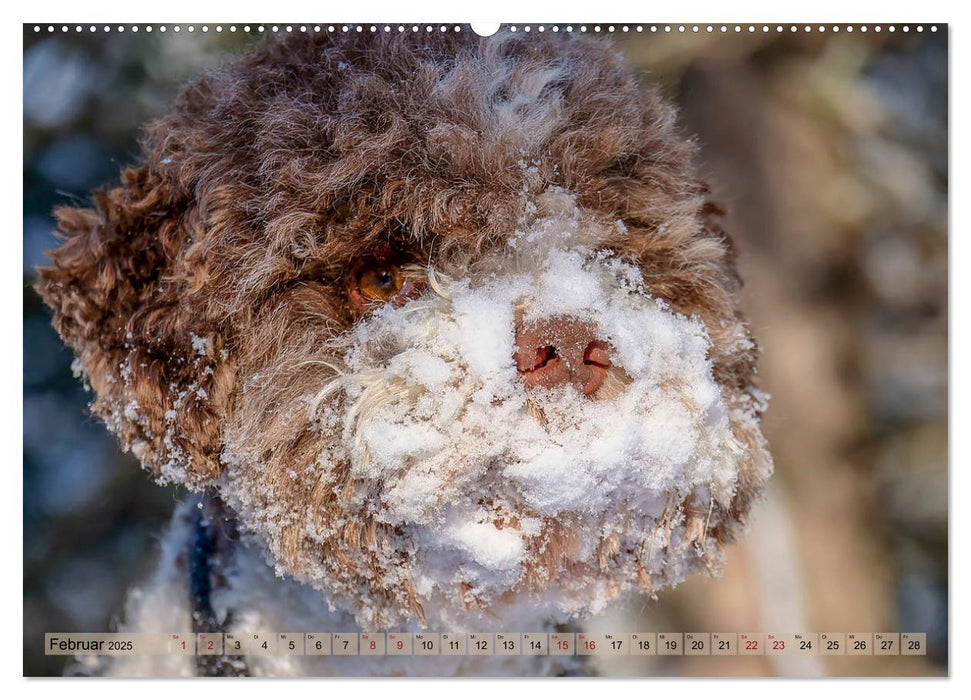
(223, 302)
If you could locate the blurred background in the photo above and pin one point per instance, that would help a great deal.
(829, 150)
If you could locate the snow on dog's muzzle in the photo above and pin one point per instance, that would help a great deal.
(541, 390)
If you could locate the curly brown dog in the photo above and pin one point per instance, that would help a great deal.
(445, 327)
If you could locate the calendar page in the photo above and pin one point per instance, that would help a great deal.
(532, 350)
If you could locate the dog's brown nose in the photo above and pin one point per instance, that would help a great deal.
(558, 350)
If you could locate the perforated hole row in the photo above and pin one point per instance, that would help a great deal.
(569, 28)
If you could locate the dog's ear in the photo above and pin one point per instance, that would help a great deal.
(118, 286)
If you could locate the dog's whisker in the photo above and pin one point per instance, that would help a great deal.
(435, 283)
(325, 393)
(323, 363)
(374, 396)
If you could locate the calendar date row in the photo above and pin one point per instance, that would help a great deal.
(489, 644)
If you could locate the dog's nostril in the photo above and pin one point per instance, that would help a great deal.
(596, 354)
(544, 356)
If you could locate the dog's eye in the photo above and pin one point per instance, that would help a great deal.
(381, 281)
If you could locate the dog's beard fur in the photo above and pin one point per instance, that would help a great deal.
(405, 470)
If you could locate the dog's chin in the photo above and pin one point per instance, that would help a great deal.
(445, 487)
(550, 496)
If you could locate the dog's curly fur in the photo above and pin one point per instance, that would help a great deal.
(193, 291)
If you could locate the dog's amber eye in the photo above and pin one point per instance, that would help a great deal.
(381, 281)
